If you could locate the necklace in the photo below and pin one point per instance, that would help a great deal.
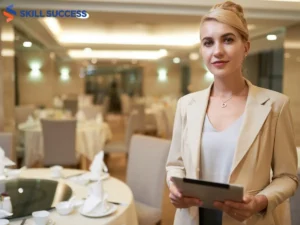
(224, 103)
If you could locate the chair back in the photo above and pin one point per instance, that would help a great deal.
(146, 169)
(59, 138)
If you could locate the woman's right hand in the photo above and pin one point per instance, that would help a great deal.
(179, 201)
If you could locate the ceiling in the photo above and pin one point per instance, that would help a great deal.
(159, 24)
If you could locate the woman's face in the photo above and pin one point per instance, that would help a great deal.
(222, 48)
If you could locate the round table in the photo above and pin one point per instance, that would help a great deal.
(117, 191)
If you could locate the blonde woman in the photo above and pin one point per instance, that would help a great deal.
(233, 132)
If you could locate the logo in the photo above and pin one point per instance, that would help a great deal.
(9, 13)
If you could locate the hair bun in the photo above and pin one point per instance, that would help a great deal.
(229, 5)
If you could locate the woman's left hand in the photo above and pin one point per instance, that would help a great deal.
(244, 210)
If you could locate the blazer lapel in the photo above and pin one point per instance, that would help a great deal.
(256, 112)
(196, 112)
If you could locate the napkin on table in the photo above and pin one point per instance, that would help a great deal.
(95, 198)
(4, 161)
(98, 165)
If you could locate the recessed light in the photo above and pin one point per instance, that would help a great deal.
(176, 60)
(271, 37)
(194, 56)
(87, 50)
(27, 44)
(94, 61)
(163, 51)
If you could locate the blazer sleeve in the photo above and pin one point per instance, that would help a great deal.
(284, 162)
(174, 164)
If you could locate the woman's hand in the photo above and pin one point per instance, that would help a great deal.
(243, 211)
(179, 201)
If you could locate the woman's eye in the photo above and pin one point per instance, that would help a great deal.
(228, 40)
(208, 43)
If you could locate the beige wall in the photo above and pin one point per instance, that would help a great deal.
(41, 91)
(7, 78)
(291, 82)
(153, 87)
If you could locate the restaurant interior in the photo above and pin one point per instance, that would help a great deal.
(88, 102)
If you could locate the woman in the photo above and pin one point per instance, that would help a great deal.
(233, 132)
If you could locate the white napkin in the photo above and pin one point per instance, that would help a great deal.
(80, 116)
(43, 114)
(95, 198)
(57, 102)
(4, 213)
(99, 118)
(98, 166)
(4, 161)
(30, 120)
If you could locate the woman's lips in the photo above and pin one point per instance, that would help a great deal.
(220, 64)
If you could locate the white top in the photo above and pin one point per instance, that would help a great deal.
(217, 151)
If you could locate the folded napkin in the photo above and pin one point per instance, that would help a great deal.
(43, 114)
(4, 161)
(30, 120)
(4, 214)
(98, 166)
(99, 118)
(80, 116)
(95, 198)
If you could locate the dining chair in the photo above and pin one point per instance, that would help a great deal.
(71, 105)
(6, 143)
(123, 146)
(59, 138)
(146, 176)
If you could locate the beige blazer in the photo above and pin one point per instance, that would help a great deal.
(265, 160)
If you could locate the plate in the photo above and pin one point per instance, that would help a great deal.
(98, 214)
(88, 177)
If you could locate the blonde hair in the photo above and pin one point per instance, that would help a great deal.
(231, 14)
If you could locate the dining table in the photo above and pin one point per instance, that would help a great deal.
(118, 193)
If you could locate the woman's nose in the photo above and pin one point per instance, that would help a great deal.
(218, 50)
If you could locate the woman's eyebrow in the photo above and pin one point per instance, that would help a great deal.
(222, 36)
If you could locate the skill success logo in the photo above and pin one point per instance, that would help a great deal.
(9, 13)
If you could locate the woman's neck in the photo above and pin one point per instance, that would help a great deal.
(228, 86)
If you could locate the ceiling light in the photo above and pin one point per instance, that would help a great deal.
(82, 17)
(27, 44)
(271, 37)
(117, 54)
(163, 51)
(7, 36)
(194, 56)
(87, 50)
(53, 25)
(7, 52)
(130, 39)
(94, 61)
(176, 60)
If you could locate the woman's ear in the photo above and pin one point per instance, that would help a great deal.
(247, 47)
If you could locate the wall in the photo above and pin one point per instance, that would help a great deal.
(291, 79)
(40, 91)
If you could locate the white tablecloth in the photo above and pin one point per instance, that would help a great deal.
(91, 138)
(117, 192)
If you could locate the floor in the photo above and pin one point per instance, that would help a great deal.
(117, 166)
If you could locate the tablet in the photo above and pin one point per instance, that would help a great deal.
(208, 192)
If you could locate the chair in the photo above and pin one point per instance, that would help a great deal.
(6, 143)
(123, 146)
(71, 105)
(146, 176)
(59, 138)
(91, 112)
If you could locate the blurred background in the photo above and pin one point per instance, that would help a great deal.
(126, 58)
